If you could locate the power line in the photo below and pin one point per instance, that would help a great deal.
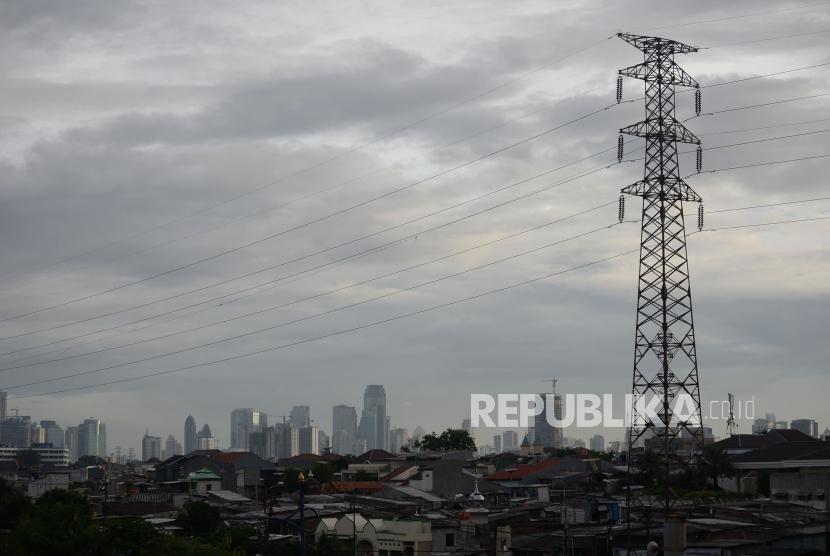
(758, 164)
(312, 221)
(309, 317)
(359, 327)
(321, 294)
(734, 17)
(767, 39)
(343, 331)
(771, 103)
(342, 244)
(400, 271)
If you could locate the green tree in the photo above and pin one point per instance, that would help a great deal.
(199, 518)
(447, 441)
(716, 463)
(323, 471)
(60, 522)
(13, 504)
(86, 461)
(651, 469)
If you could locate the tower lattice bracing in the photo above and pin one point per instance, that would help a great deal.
(665, 358)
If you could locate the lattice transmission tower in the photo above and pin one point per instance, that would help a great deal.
(665, 358)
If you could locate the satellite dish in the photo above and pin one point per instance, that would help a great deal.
(652, 548)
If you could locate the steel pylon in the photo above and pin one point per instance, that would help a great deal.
(665, 357)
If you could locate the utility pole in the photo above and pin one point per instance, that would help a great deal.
(665, 356)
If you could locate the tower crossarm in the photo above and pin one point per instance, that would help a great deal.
(648, 44)
(666, 128)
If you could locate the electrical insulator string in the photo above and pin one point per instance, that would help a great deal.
(620, 147)
(621, 210)
(619, 88)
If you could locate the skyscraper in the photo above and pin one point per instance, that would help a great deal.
(16, 431)
(343, 429)
(170, 446)
(53, 434)
(189, 434)
(543, 432)
(92, 438)
(373, 424)
(807, 426)
(497, 444)
(301, 415)
(71, 443)
(244, 421)
(150, 447)
(309, 440)
(597, 443)
(3, 405)
(510, 440)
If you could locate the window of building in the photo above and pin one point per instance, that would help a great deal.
(449, 541)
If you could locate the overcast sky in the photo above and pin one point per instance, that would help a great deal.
(140, 137)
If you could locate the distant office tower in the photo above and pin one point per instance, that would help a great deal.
(71, 443)
(309, 440)
(760, 426)
(780, 425)
(614, 446)
(360, 447)
(171, 446)
(597, 443)
(301, 416)
(543, 432)
(3, 397)
(807, 426)
(398, 438)
(373, 423)
(417, 434)
(38, 435)
(510, 440)
(467, 425)
(189, 434)
(92, 438)
(343, 429)
(53, 434)
(16, 431)
(497, 444)
(323, 442)
(276, 441)
(205, 440)
(150, 447)
(243, 422)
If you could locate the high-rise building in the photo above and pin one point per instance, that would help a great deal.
(807, 426)
(53, 434)
(171, 446)
(3, 398)
(92, 438)
(189, 434)
(71, 443)
(205, 440)
(38, 435)
(510, 441)
(309, 440)
(343, 429)
(323, 442)
(244, 421)
(373, 424)
(597, 443)
(16, 431)
(466, 424)
(301, 416)
(150, 447)
(543, 432)
(497, 444)
(398, 438)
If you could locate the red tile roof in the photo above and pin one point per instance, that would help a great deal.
(521, 471)
(229, 457)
